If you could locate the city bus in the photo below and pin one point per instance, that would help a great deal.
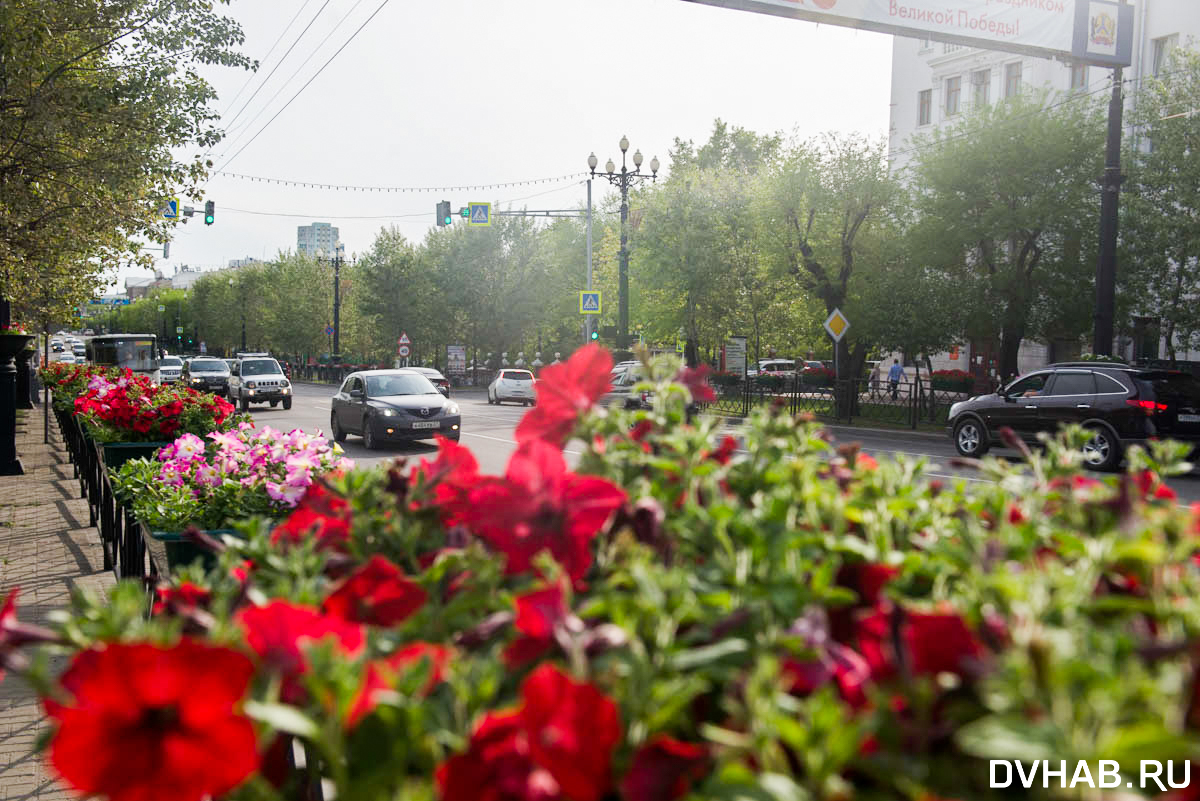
(138, 352)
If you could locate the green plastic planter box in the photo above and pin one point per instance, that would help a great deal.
(177, 551)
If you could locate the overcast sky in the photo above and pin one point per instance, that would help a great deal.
(477, 92)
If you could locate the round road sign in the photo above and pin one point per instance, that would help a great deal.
(403, 350)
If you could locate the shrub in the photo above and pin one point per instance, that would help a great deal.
(773, 618)
(952, 380)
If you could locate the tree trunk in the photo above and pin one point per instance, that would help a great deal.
(1010, 344)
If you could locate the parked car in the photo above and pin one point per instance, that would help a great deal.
(257, 378)
(207, 374)
(781, 367)
(170, 368)
(436, 378)
(392, 405)
(511, 385)
(1120, 405)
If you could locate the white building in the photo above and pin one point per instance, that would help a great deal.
(933, 82)
(319, 235)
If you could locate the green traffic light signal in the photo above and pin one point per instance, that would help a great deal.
(210, 209)
(448, 220)
(595, 335)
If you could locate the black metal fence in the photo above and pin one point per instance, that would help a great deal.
(908, 403)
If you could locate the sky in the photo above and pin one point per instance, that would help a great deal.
(482, 92)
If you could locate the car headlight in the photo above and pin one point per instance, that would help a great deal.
(388, 412)
(450, 408)
(195, 380)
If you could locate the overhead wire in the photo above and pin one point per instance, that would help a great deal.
(306, 84)
(295, 72)
(267, 57)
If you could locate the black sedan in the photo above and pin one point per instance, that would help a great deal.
(392, 406)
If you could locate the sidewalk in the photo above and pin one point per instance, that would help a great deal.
(47, 549)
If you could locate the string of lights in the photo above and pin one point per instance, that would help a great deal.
(401, 189)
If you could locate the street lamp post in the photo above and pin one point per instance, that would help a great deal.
(336, 260)
(242, 306)
(623, 180)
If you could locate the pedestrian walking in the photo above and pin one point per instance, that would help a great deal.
(895, 375)
(876, 379)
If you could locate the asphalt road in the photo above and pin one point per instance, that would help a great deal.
(488, 430)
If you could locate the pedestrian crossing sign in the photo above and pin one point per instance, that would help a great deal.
(479, 214)
(170, 208)
(589, 302)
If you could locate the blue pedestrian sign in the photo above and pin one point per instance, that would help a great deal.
(329, 330)
(479, 214)
(170, 208)
(589, 301)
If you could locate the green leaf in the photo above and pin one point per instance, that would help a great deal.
(282, 717)
(997, 737)
(696, 657)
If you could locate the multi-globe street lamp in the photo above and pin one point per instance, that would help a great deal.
(623, 180)
(336, 259)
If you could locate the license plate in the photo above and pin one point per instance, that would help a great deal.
(426, 424)
(1189, 418)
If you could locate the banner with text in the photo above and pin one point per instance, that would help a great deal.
(456, 359)
(1096, 31)
(735, 355)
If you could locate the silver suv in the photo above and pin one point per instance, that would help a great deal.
(257, 378)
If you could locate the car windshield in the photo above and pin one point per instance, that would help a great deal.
(170, 361)
(383, 385)
(260, 367)
(208, 366)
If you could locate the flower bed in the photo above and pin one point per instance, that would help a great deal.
(132, 408)
(683, 613)
(235, 475)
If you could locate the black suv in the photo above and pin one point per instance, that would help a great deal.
(207, 374)
(1120, 404)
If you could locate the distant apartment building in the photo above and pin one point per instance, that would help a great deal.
(318, 236)
(934, 82)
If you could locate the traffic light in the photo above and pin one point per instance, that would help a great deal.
(595, 335)
(444, 217)
(210, 212)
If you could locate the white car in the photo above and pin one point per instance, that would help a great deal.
(170, 368)
(512, 385)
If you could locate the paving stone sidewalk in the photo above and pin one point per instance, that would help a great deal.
(47, 549)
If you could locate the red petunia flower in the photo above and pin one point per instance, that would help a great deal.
(538, 613)
(320, 514)
(695, 379)
(382, 674)
(564, 392)
(538, 506)
(451, 476)
(724, 451)
(664, 769)
(14, 634)
(145, 722)
(572, 729)
(498, 766)
(933, 643)
(185, 598)
(837, 663)
(377, 593)
(867, 579)
(278, 631)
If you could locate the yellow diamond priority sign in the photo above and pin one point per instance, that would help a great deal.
(837, 325)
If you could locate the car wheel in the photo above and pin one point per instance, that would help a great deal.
(287, 403)
(338, 434)
(1102, 451)
(368, 436)
(274, 403)
(244, 404)
(970, 438)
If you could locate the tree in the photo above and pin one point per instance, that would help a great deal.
(825, 208)
(94, 100)
(1002, 200)
(1161, 221)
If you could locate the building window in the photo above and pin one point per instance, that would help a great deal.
(926, 44)
(1079, 77)
(925, 107)
(1162, 52)
(981, 87)
(1012, 79)
(953, 94)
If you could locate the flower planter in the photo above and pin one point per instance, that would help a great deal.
(171, 550)
(122, 543)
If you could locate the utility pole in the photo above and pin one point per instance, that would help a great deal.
(588, 322)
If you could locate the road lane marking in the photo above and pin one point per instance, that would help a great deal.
(511, 442)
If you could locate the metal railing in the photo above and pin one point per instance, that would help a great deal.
(849, 401)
